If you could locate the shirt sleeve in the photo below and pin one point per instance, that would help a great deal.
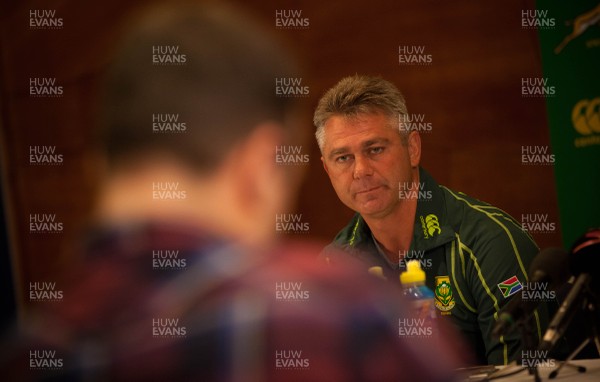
(499, 257)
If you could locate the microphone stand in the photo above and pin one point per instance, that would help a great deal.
(589, 307)
(529, 345)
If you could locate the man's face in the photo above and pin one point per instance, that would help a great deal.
(366, 161)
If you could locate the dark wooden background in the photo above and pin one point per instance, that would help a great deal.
(470, 94)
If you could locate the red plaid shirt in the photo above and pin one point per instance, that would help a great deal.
(158, 302)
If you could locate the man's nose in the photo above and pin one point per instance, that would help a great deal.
(362, 167)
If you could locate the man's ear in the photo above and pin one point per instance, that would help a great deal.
(324, 165)
(414, 148)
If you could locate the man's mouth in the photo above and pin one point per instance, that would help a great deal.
(368, 190)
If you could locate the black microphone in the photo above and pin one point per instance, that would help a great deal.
(584, 263)
(549, 266)
(561, 320)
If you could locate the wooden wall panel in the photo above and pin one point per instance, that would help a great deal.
(470, 93)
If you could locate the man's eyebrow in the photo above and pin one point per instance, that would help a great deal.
(337, 151)
(376, 141)
(365, 144)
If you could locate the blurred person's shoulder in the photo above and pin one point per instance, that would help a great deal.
(300, 264)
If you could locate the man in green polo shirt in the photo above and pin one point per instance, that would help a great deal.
(475, 255)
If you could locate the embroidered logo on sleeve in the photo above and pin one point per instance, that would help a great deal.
(510, 286)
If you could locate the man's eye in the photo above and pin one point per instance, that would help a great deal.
(342, 158)
(376, 150)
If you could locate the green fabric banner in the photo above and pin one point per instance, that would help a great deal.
(569, 33)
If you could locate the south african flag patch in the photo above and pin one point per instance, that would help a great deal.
(510, 286)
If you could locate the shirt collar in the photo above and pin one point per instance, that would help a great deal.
(431, 228)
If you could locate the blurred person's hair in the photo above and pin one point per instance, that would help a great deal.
(222, 91)
(356, 95)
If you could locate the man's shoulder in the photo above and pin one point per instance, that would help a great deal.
(351, 233)
(478, 222)
(353, 242)
(472, 212)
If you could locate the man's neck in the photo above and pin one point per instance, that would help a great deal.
(394, 232)
(146, 194)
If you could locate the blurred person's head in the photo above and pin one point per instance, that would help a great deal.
(367, 149)
(190, 122)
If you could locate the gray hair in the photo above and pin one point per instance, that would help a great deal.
(356, 95)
